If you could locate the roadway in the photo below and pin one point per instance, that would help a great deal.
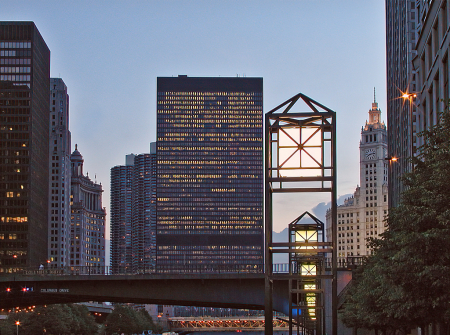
(232, 290)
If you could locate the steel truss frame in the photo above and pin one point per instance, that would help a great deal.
(221, 323)
(300, 157)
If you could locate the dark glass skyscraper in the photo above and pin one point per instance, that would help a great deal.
(209, 174)
(401, 36)
(24, 145)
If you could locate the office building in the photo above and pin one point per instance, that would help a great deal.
(362, 215)
(209, 174)
(24, 145)
(133, 214)
(401, 36)
(87, 222)
(60, 176)
(417, 64)
(431, 63)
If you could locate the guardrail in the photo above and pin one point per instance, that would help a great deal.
(344, 263)
(125, 270)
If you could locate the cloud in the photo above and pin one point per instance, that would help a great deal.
(320, 210)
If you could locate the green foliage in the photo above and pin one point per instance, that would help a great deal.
(75, 319)
(406, 283)
(6, 328)
(54, 319)
(126, 320)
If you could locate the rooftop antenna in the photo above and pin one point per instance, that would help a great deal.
(374, 98)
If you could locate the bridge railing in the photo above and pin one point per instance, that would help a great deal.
(348, 262)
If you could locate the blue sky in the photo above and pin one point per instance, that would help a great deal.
(109, 54)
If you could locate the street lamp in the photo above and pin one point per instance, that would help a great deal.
(17, 327)
(410, 96)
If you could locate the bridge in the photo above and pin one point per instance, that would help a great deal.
(185, 324)
(229, 290)
(214, 288)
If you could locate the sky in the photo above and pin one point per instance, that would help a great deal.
(109, 54)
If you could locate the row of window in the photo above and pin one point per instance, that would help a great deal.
(14, 111)
(15, 69)
(14, 127)
(15, 61)
(186, 94)
(244, 108)
(15, 53)
(207, 102)
(10, 77)
(15, 45)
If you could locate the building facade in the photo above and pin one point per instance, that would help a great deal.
(60, 176)
(431, 63)
(87, 226)
(210, 174)
(362, 215)
(133, 214)
(144, 212)
(24, 145)
(417, 47)
(401, 37)
(121, 257)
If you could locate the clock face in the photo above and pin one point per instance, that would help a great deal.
(370, 154)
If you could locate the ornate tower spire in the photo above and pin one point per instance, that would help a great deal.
(374, 112)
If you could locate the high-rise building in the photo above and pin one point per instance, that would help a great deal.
(60, 176)
(144, 212)
(133, 214)
(210, 174)
(24, 145)
(417, 66)
(431, 63)
(87, 222)
(121, 258)
(362, 215)
(401, 36)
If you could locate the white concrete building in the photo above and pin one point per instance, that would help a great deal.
(362, 215)
(87, 217)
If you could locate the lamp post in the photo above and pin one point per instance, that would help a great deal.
(17, 327)
(410, 97)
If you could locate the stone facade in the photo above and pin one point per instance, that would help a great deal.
(60, 176)
(87, 217)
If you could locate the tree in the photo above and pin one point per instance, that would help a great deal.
(406, 282)
(83, 322)
(146, 321)
(125, 319)
(122, 320)
(53, 319)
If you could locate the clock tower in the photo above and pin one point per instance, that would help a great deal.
(362, 215)
(373, 151)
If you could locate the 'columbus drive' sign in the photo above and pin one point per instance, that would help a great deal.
(54, 290)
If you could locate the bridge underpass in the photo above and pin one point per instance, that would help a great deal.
(244, 291)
